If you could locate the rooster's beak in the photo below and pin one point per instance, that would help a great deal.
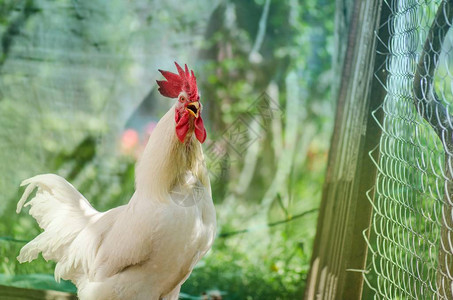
(194, 108)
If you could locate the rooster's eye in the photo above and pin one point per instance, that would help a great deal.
(182, 99)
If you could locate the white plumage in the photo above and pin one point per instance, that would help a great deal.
(143, 250)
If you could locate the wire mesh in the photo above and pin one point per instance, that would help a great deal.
(410, 244)
(71, 69)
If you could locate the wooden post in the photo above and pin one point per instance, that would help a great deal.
(340, 249)
(14, 293)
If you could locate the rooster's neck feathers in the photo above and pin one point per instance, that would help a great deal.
(166, 160)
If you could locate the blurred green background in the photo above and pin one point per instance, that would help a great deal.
(78, 98)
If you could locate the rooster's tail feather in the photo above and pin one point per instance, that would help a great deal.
(60, 210)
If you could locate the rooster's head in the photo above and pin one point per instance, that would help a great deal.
(188, 108)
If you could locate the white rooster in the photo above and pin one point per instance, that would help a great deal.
(147, 248)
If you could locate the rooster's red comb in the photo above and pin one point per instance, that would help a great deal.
(176, 83)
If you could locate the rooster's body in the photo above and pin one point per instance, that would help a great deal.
(145, 249)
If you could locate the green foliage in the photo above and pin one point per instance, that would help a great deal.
(243, 273)
(37, 281)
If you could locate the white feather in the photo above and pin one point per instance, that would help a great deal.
(143, 250)
(56, 202)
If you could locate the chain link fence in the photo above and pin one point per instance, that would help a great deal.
(411, 243)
